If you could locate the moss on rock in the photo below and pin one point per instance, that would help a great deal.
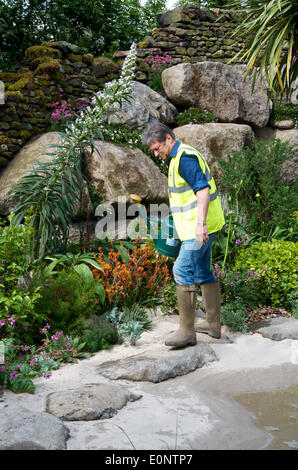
(5, 140)
(74, 57)
(16, 96)
(46, 65)
(21, 83)
(34, 52)
(25, 134)
(87, 59)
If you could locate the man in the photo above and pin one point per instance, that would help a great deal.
(197, 215)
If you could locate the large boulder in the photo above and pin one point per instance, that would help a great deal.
(218, 88)
(143, 106)
(24, 161)
(290, 167)
(90, 402)
(215, 140)
(159, 365)
(117, 172)
(23, 429)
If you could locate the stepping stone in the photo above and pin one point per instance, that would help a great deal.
(90, 402)
(23, 429)
(277, 329)
(159, 365)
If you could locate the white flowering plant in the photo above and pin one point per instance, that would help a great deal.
(52, 189)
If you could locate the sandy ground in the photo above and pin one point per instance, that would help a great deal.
(193, 412)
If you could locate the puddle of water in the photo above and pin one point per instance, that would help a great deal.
(277, 413)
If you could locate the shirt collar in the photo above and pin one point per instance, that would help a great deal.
(175, 149)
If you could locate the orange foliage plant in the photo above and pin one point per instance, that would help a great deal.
(131, 276)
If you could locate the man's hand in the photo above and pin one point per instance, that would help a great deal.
(202, 234)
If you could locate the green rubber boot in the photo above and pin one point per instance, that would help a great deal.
(185, 335)
(211, 299)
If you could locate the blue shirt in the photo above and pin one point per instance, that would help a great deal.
(190, 170)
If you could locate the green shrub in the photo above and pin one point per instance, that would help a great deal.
(276, 264)
(130, 322)
(66, 300)
(263, 198)
(238, 286)
(234, 315)
(137, 313)
(98, 334)
(282, 111)
(194, 116)
(16, 303)
(169, 298)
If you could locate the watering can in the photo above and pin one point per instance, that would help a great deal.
(164, 237)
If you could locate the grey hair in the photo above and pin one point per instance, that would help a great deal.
(158, 132)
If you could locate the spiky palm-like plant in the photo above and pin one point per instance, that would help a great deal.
(270, 33)
(51, 190)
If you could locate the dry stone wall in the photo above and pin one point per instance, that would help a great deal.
(51, 72)
(192, 34)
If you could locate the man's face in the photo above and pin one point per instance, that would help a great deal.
(162, 149)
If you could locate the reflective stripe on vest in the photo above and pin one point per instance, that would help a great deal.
(183, 201)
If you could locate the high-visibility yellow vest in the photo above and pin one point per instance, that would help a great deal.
(183, 201)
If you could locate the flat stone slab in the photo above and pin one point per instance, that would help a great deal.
(90, 402)
(159, 366)
(277, 328)
(23, 429)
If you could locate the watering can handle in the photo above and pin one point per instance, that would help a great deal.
(137, 200)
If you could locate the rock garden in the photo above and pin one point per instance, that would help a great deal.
(86, 299)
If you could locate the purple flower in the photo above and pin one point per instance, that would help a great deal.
(216, 266)
(25, 348)
(13, 375)
(32, 362)
(232, 284)
(2, 323)
(237, 277)
(11, 320)
(238, 241)
(47, 376)
(2, 368)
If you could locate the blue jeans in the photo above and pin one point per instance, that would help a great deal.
(193, 263)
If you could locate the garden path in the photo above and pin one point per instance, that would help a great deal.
(193, 411)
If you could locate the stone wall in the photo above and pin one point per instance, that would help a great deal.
(191, 34)
(51, 72)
